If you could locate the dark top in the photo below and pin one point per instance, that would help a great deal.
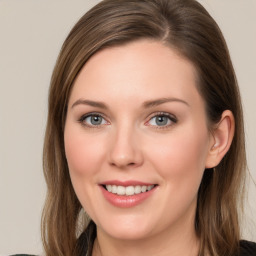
(247, 249)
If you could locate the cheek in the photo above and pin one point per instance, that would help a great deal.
(84, 157)
(82, 152)
(180, 157)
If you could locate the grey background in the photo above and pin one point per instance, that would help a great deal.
(31, 34)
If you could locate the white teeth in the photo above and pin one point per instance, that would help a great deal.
(114, 189)
(128, 191)
(120, 190)
(137, 189)
(143, 188)
(109, 188)
(150, 187)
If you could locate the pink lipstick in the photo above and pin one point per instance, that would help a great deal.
(126, 194)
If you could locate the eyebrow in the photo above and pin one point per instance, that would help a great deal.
(97, 104)
(157, 102)
(146, 104)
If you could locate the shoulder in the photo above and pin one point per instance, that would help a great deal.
(247, 248)
(22, 255)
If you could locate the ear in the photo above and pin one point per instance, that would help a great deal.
(222, 136)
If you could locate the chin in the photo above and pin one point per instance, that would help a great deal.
(128, 234)
(126, 229)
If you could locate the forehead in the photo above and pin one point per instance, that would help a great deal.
(142, 69)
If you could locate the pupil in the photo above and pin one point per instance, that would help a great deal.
(96, 120)
(161, 120)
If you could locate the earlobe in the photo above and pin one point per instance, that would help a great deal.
(223, 135)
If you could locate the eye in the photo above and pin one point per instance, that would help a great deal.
(93, 120)
(162, 120)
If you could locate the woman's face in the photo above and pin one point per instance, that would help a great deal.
(136, 126)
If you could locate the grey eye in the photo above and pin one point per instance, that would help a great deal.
(94, 120)
(160, 120)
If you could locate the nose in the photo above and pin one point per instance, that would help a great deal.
(125, 149)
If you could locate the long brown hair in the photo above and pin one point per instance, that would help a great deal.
(183, 25)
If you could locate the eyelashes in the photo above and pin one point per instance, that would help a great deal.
(159, 120)
(162, 120)
(93, 120)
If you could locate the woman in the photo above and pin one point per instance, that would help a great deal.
(144, 148)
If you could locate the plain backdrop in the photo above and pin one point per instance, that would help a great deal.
(31, 34)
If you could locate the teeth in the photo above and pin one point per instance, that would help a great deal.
(128, 191)
(113, 189)
(143, 188)
(109, 188)
(137, 189)
(120, 190)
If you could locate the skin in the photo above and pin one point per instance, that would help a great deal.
(130, 145)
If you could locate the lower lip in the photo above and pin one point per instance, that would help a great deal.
(126, 201)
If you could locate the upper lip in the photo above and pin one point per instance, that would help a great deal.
(126, 183)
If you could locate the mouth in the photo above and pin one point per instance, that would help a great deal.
(128, 190)
(126, 194)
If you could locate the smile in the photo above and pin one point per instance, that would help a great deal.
(127, 194)
(128, 190)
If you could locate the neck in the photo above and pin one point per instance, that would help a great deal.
(176, 241)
